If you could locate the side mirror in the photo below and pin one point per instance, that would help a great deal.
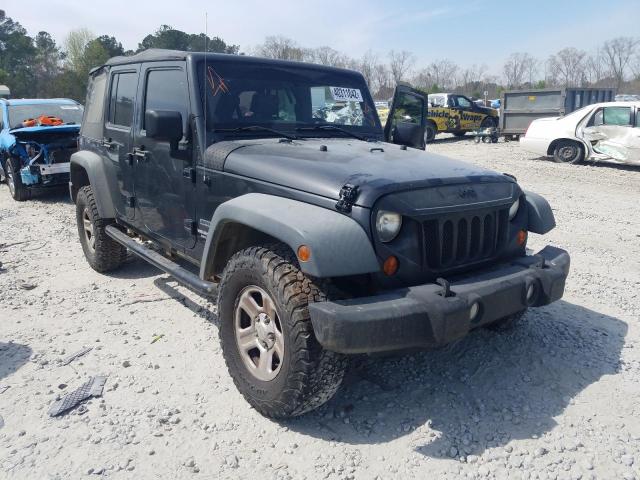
(163, 125)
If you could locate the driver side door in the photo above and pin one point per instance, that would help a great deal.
(407, 118)
(470, 119)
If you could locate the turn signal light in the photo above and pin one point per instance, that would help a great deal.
(304, 253)
(522, 237)
(390, 266)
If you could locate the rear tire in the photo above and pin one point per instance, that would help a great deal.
(567, 151)
(296, 374)
(507, 323)
(101, 251)
(18, 190)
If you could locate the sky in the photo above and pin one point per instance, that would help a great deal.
(464, 31)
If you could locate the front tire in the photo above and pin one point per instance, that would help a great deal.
(266, 334)
(101, 251)
(567, 151)
(18, 190)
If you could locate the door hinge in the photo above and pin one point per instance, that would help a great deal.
(189, 173)
(348, 195)
(131, 202)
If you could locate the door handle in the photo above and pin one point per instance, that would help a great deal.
(140, 154)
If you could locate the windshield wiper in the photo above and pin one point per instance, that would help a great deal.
(256, 128)
(332, 127)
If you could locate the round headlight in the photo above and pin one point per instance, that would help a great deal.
(514, 209)
(388, 225)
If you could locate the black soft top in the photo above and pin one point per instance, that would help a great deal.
(161, 55)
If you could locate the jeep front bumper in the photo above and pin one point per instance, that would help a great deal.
(422, 317)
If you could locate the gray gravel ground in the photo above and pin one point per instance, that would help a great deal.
(557, 397)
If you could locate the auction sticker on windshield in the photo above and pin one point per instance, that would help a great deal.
(346, 94)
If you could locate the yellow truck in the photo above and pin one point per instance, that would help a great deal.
(457, 114)
(445, 113)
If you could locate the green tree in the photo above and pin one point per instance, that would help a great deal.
(111, 45)
(17, 54)
(46, 65)
(172, 39)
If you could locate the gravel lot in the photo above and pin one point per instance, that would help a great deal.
(557, 397)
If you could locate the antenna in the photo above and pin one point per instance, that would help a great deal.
(206, 50)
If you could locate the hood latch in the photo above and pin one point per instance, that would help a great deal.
(348, 195)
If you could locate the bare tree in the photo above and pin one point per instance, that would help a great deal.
(595, 68)
(567, 67)
(442, 73)
(382, 81)
(400, 63)
(327, 56)
(471, 78)
(279, 47)
(423, 80)
(517, 68)
(75, 45)
(617, 54)
(366, 65)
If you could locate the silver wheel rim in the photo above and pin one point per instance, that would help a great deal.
(87, 226)
(258, 333)
(567, 153)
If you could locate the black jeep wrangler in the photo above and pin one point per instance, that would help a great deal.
(322, 234)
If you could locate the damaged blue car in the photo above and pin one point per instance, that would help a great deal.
(37, 138)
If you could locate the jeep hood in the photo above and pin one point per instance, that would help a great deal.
(376, 168)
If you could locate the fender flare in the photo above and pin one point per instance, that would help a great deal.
(96, 175)
(339, 245)
(541, 219)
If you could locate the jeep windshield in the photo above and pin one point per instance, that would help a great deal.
(69, 113)
(269, 100)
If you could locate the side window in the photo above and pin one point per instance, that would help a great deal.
(598, 118)
(638, 118)
(409, 109)
(122, 98)
(167, 90)
(437, 100)
(94, 109)
(463, 102)
(617, 116)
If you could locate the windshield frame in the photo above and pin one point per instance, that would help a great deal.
(45, 106)
(233, 129)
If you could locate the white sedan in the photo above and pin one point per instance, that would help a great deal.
(602, 131)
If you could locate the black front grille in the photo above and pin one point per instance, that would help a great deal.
(465, 238)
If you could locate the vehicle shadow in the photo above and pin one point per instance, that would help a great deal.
(597, 164)
(51, 195)
(12, 357)
(135, 268)
(477, 393)
(168, 286)
(451, 139)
